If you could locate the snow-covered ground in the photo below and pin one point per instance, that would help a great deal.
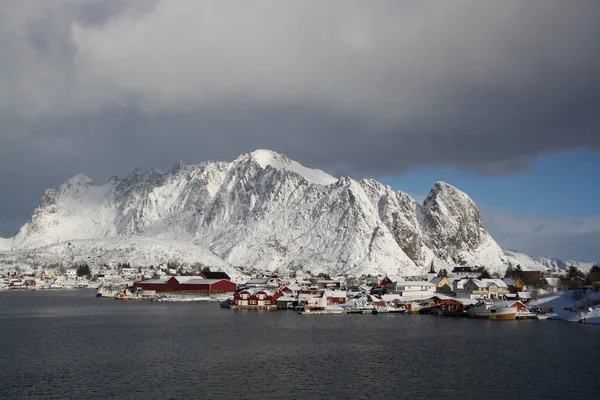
(138, 251)
(570, 306)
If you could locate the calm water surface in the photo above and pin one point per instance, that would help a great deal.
(70, 345)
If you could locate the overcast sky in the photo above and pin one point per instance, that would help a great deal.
(360, 88)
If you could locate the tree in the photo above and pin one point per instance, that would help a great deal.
(517, 272)
(594, 274)
(324, 276)
(483, 273)
(206, 269)
(573, 272)
(83, 270)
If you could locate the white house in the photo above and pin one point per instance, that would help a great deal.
(412, 290)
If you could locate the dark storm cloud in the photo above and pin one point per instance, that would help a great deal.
(355, 88)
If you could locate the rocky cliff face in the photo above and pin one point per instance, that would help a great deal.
(267, 211)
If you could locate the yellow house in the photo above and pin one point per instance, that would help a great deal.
(443, 284)
(514, 285)
(48, 275)
(489, 288)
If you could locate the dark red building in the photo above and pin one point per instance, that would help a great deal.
(256, 298)
(187, 284)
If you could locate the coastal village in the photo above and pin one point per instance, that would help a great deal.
(462, 291)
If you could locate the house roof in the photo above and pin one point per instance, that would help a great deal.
(394, 278)
(552, 281)
(416, 295)
(254, 290)
(444, 297)
(414, 283)
(202, 281)
(215, 275)
(155, 281)
(525, 295)
(286, 298)
(467, 301)
(509, 281)
(438, 279)
(257, 281)
(390, 297)
(485, 283)
(335, 293)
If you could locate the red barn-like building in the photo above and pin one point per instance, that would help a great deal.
(187, 284)
(256, 298)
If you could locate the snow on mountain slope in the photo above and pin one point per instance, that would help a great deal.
(266, 211)
(279, 161)
(526, 262)
(136, 250)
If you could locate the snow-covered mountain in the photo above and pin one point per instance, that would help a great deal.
(526, 262)
(260, 210)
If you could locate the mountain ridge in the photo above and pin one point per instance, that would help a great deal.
(261, 210)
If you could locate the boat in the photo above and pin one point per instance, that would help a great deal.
(487, 309)
(227, 303)
(389, 310)
(360, 309)
(121, 296)
(322, 311)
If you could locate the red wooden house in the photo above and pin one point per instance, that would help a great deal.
(256, 298)
(187, 284)
(335, 296)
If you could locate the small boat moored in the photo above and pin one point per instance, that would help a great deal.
(487, 309)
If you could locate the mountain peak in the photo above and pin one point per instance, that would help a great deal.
(268, 158)
(442, 191)
(79, 179)
(179, 165)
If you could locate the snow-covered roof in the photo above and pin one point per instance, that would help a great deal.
(335, 293)
(395, 278)
(155, 281)
(552, 281)
(436, 280)
(390, 297)
(416, 295)
(498, 282)
(485, 283)
(254, 290)
(257, 281)
(525, 295)
(414, 283)
(467, 301)
(443, 296)
(286, 298)
(186, 279)
(202, 281)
